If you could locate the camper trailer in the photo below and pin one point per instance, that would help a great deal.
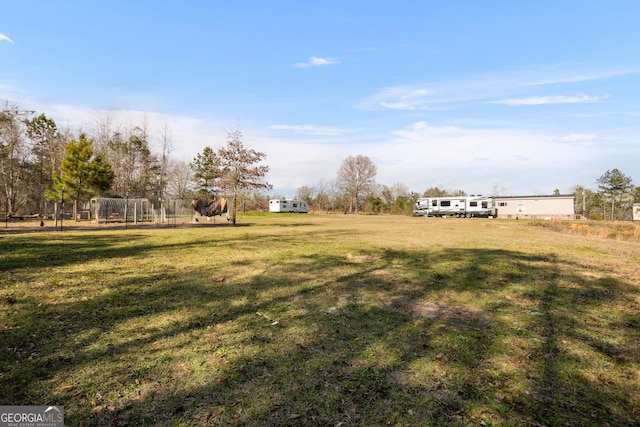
(459, 206)
(288, 205)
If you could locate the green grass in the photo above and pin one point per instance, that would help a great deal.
(323, 320)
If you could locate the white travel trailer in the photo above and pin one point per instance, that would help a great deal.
(288, 205)
(460, 206)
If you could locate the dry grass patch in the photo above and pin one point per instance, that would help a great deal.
(616, 230)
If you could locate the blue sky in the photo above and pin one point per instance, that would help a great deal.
(524, 97)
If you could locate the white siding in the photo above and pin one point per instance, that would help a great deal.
(535, 207)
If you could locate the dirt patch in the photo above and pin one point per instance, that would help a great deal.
(442, 312)
(359, 259)
(343, 300)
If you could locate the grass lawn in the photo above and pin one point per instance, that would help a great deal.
(323, 320)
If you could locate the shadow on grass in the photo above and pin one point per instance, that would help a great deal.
(454, 337)
(28, 251)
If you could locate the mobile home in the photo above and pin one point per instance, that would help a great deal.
(288, 205)
(557, 206)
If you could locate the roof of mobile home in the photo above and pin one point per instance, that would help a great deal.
(571, 196)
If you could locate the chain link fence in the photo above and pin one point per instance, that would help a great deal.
(127, 212)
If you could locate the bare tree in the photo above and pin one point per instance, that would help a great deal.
(323, 196)
(102, 131)
(134, 165)
(13, 152)
(46, 154)
(306, 194)
(254, 201)
(333, 193)
(179, 179)
(166, 145)
(356, 178)
(586, 202)
(442, 192)
(498, 190)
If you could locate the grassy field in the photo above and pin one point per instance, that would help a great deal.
(323, 320)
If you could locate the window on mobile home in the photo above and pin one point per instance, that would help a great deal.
(445, 203)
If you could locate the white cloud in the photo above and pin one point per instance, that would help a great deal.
(449, 145)
(315, 61)
(294, 163)
(5, 38)
(578, 138)
(476, 159)
(512, 87)
(403, 98)
(443, 94)
(310, 129)
(545, 100)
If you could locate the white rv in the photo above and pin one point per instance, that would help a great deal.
(288, 205)
(460, 206)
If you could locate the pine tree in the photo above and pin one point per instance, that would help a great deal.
(616, 186)
(82, 174)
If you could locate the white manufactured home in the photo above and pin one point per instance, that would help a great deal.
(560, 206)
(288, 205)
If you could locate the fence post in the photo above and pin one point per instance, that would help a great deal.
(62, 209)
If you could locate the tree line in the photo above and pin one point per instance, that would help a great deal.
(44, 167)
(355, 189)
(42, 164)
